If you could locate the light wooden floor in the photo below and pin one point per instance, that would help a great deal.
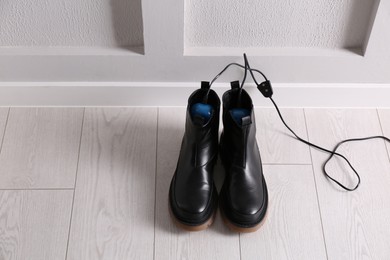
(93, 183)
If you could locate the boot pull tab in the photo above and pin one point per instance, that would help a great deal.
(246, 121)
(235, 84)
(205, 85)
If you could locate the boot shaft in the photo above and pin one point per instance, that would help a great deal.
(200, 138)
(239, 134)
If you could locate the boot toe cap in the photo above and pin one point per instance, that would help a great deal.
(192, 207)
(245, 211)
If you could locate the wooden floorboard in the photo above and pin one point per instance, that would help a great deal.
(40, 148)
(384, 117)
(123, 166)
(217, 242)
(356, 224)
(113, 214)
(275, 142)
(34, 225)
(292, 229)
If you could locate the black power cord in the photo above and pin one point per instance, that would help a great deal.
(333, 152)
(266, 89)
(224, 69)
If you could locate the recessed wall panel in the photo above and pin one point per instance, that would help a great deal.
(70, 23)
(341, 24)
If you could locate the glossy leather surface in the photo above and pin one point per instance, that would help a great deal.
(193, 196)
(244, 196)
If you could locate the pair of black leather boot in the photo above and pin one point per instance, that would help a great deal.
(193, 196)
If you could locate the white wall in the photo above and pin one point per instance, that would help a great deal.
(66, 43)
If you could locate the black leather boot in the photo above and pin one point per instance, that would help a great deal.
(193, 197)
(244, 196)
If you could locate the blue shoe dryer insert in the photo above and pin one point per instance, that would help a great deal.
(203, 111)
(238, 114)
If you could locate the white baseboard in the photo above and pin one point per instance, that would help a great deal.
(176, 94)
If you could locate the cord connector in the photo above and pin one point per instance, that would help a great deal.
(265, 88)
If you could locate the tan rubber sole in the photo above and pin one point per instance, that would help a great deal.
(238, 229)
(200, 227)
